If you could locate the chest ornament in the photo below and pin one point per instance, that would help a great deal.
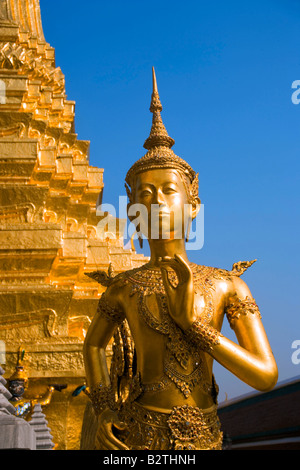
(183, 361)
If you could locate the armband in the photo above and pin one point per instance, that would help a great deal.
(203, 335)
(100, 396)
(110, 313)
(240, 307)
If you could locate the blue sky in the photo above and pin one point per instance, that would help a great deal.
(224, 71)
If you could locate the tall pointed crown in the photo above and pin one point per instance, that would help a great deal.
(19, 373)
(159, 145)
(158, 134)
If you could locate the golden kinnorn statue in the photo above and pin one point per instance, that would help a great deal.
(166, 319)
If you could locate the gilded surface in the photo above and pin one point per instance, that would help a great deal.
(166, 319)
(48, 222)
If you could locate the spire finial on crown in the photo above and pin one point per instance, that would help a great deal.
(160, 154)
(158, 135)
(154, 81)
(155, 105)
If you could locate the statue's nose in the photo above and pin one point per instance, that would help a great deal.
(159, 199)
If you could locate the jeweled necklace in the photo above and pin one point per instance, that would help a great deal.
(148, 281)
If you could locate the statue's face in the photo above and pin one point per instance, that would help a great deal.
(17, 388)
(162, 196)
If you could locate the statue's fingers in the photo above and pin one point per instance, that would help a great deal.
(111, 440)
(119, 425)
(101, 444)
(117, 444)
(100, 441)
(165, 260)
(168, 286)
(184, 268)
(180, 267)
(169, 262)
(106, 444)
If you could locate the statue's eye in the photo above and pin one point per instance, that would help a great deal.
(145, 193)
(169, 190)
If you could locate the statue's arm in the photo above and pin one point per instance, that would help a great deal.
(109, 315)
(96, 340)
(98, 336)
(251, 360)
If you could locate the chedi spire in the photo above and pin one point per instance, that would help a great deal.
(24, 13)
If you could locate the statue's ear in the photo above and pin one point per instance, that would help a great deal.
(196, 204)
(194, 195)
(129, 195)
(128, 192)
(130, 217)
(194, 190)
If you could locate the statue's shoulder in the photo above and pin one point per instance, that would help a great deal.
(110, 279)
(106, 278)
(219, 273)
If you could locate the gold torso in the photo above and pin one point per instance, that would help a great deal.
(171, 370)
(160, 368)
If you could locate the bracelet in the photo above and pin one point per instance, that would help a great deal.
(203, 335)
(100, 396)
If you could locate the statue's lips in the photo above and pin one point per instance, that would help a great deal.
(161, 220)
(164, 214)
(160, 213)
(160, 217)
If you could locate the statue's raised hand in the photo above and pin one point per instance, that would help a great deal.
(180, 298)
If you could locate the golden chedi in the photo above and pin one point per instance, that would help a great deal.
(49, 233)
(166, 318)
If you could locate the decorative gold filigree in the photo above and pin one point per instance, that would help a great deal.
(12, 55)
(26, 14)
(46, 316)
(241, 307)
(203, 335)
(240, 267)
(148, 280)
(184, 428)
(111, 313)
(15, 130)
(180, 350)
(103, 278)
(191, 429)
(100, 396)
(17, 213)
